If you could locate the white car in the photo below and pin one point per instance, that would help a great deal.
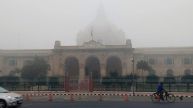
(9, 99)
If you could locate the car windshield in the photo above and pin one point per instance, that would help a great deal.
(2, 90)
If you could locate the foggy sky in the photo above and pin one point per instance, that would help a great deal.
(36, 24)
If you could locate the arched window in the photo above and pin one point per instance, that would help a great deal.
(114, 66)
(72, 68)
(92, 68)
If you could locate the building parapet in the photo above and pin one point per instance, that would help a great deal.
(25, 52)
(164, 50)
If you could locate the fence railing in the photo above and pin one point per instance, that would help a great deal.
(95, 85)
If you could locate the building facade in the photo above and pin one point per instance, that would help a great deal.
(80, 61)
(101, 49)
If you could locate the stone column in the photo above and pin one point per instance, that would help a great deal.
(103, 69)
(61, 66)
(102, 60)
(57, 65)
(81, 71)
(125, 66)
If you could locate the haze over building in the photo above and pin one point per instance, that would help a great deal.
(102, 49)
(101, 30)
(35, 24)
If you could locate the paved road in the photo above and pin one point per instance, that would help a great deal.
(106, 105)
(96, 98)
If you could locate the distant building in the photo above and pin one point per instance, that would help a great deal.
(101, 49)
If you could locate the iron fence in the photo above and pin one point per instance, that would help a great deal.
(62, 84)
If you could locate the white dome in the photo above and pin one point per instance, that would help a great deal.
(101, 30)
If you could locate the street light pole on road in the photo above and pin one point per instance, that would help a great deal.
(133, 69)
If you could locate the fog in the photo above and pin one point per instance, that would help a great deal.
(36, 24)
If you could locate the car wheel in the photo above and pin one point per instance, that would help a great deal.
(3, 104)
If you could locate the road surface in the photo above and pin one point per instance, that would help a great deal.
(106, 105)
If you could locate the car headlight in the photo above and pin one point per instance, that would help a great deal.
(19, 97)
(10, 98)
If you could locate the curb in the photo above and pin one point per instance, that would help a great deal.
(95, 94)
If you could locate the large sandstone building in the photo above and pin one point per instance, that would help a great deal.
(101, 48)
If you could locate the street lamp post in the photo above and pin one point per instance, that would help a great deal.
(133, 67)
(91, 82)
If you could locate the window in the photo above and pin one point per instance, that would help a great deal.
(187, 60)
(12, 62)
(169, 61)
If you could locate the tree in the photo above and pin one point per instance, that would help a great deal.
(130, 79)
(169, 78)
(152, 77)
(10, 82)
(15, 72)
(54, 82)
(143, 66)
(113, 79)
(187, 78)
(36, 70)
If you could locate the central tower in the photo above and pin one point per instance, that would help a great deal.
(101, 30)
